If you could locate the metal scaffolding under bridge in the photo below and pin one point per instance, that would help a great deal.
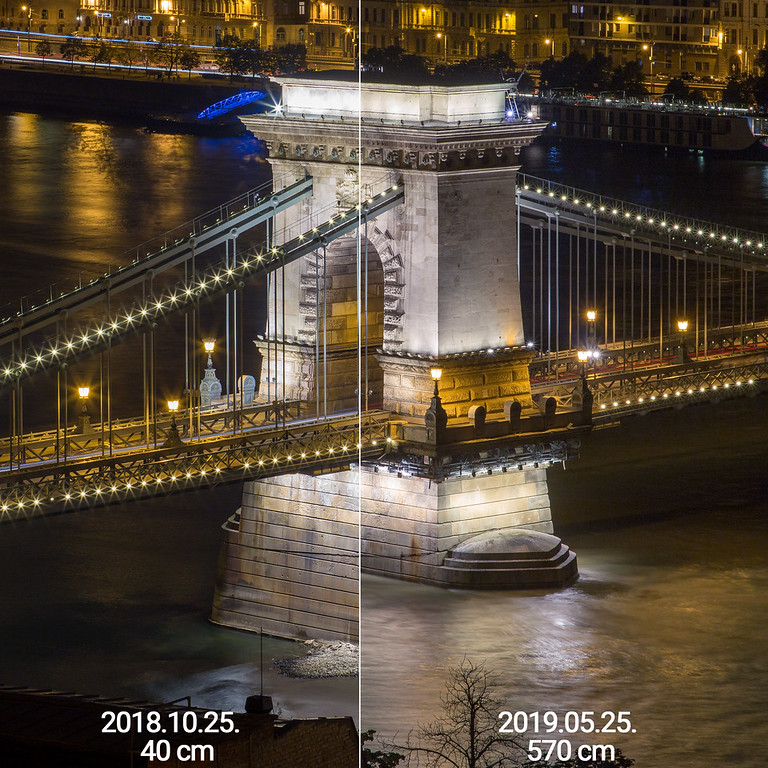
(651, 307)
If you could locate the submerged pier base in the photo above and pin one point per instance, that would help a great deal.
(290, 556)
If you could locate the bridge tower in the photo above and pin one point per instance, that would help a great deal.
(459, 498)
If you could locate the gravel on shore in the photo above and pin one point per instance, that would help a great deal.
(323, 659)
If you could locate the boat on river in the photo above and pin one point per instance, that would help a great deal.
(667, 125)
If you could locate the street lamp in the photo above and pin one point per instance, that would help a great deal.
(436, 373)
(649, 47)
(436, 419)
(441, 36)
(583, 356)
(209, 345)
(210, 386)
(349, 33)
(551, 44)
(173, 439)
(28, 9)
(742, 64)
(682, 327)
(84, 419)
(591, 329)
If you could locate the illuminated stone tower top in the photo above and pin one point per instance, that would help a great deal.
(455, 236)
(447, 256)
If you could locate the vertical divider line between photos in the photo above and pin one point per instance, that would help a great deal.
(356, 50)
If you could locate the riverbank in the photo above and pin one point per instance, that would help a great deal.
(163, 104)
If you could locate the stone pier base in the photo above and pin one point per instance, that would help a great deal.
(427, 532)
(289, 561)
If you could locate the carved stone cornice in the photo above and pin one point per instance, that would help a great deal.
(454, 147)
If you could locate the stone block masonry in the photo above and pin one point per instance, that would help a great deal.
(289, 558)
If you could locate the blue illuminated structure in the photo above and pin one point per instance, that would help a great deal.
(233, 102)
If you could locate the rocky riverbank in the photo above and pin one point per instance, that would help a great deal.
(323, 659)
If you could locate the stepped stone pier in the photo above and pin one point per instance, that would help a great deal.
(459, 498)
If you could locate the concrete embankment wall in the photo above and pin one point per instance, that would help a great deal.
(79, 91)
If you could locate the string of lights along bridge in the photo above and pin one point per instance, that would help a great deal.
(646, 308)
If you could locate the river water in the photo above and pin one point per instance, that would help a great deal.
(116, 601)
(667, 513)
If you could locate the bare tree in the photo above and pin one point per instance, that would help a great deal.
(466, 734)
(146, 57)
(168, 51)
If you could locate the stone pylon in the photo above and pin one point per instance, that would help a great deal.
(430, 284)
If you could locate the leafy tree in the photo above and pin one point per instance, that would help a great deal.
(757, 85)
(628, 78)
(761, 61)
(291, 58)
(496, 65)
(73, 48)
(679, 90)
(232, 56)
(376, 758)
(168, 51)
(563, 73)
(43, 49)
(189, 59)
(596, 75)
(129, 55)
(394, 59)
(103, 53)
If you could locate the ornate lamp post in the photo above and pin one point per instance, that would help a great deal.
(84, 419)
(210, 386)
(583, 356)
(682, 327)
(173, 439)
(436, 418)
(591, 329)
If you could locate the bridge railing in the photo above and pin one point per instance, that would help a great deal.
(103, 439)
(639, 354)
(314, 446)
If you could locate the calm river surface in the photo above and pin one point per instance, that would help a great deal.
(667, 513)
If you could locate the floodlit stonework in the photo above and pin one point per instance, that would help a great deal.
(439, 289)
